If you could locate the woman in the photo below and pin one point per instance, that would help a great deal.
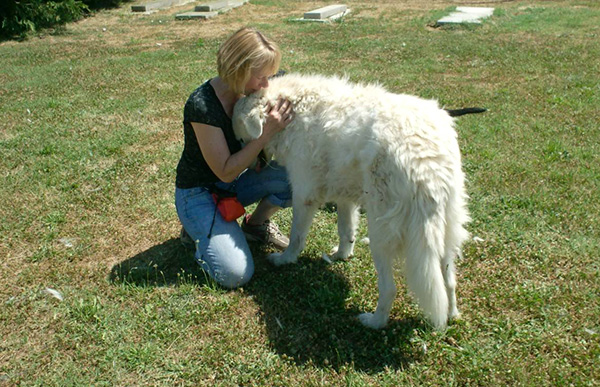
(213, 159)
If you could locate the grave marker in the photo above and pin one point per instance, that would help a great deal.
(213, 6)
(467, 15)
(210, 10)
(325, 14)
(195, 15)
(154, 5)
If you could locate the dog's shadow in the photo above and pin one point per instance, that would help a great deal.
(305, 311)
(303, 307)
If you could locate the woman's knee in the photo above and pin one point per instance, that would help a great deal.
(229, 263)
(236, 275)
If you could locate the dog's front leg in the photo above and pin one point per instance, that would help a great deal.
(303, 213)
(347, 223)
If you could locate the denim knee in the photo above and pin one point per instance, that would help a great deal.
(230, 265)
(233, 279)
(230, 276)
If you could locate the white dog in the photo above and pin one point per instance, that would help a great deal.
(395, 155)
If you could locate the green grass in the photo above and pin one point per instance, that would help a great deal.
(90, 137)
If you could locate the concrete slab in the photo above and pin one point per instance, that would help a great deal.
(212, 6)
(319, 15)
(326, 12)
(196, 15)
(236, 3)
(159, 4)
(150, 6)
(467, 15)
(220, 6)
(484, 11)
(210, 10)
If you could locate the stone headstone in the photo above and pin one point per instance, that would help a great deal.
(212, 6)
(196, 15)
(210, 10)
(158, 4)
(467, 15)
(326, 12)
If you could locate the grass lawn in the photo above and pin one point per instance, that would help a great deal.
(90, 136)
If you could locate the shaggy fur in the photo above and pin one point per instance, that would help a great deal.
(395, 155)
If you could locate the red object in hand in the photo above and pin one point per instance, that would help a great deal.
(229, 207)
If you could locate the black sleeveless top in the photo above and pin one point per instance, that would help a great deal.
(203, 106)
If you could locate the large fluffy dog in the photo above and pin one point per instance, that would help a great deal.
(396, 156)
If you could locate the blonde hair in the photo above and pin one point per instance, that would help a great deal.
(245, 51)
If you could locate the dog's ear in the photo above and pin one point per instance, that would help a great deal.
(248, 118)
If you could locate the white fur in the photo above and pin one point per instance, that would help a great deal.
(395, 155)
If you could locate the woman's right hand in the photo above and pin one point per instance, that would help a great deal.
(278, 117)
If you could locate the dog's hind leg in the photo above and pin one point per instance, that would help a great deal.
(450, 282)
(456, 234)
(347, 223)
(303, 214)
(384, 265)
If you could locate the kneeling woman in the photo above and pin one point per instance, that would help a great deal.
(213, 159)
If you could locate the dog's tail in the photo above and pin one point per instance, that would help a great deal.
(462, 112)
(423, 269)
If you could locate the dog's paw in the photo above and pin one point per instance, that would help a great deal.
(279, 259)
(371, 321)
(337, 254)
(454, 315)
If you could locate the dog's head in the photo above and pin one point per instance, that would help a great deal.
(248, 117)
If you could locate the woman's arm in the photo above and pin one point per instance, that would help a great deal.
(227, 166)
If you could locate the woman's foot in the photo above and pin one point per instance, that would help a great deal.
(268, 232)
(186, 240)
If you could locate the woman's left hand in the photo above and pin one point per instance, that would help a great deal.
(278, 117)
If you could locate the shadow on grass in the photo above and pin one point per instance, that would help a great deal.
(168, 263)
(305, 311)
(303, 307)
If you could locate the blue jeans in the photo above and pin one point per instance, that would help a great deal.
(225, 255)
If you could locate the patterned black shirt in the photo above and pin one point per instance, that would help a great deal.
(203, 106)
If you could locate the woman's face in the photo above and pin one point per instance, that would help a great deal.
(258, 80)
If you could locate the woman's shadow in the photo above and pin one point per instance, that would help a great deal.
(303, 306)
(166, 264)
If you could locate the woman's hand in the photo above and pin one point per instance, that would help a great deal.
(278, 117)
(214, 148)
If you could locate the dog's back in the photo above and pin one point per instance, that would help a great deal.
(352, 137)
